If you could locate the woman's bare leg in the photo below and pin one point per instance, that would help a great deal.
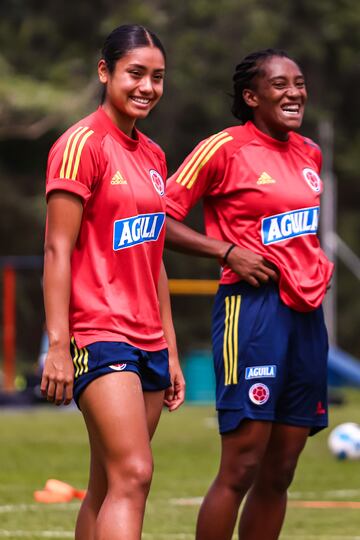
(121, 463)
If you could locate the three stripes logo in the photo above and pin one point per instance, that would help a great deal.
(231, 346)
(72, 152)
(203, 154)
(118, 179)
(80, 359)
(265, 178)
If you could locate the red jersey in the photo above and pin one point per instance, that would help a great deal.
(116, 261)
(263, 195)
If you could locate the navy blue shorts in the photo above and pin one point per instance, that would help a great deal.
(270, 361)
(104, 357)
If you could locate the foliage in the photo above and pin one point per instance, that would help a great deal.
(48, 62)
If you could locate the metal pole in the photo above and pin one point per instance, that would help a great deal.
(9, 327)
(328, 222)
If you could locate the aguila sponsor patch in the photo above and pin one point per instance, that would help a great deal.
(137, 230)
(259, 372)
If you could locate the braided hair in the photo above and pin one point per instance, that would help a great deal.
(243, 78)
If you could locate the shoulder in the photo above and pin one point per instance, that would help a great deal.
(238, 137)
(216, 146)
(87, 133)
(306, 144)
(308, 147)
(152, 147)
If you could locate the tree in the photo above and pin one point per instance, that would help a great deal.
(48, 63)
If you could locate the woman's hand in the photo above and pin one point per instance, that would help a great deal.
(58, 376)
(175, 394)
(251, 267)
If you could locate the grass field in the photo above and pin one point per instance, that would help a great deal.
(44, 442)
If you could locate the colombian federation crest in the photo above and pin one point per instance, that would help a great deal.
(157, 181)
(259, 393)
(313, 179)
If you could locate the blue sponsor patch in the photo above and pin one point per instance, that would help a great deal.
(260, 372)
(137, 230)
(289, 225)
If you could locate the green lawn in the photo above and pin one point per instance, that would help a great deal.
(45, 442)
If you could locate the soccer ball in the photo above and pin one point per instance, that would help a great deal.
(344, 441)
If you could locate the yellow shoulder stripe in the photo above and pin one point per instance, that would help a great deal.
(189, 174)
(72, 152)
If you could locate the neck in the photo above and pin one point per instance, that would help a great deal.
(282, 136)
(125, 124)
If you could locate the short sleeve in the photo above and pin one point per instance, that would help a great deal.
(198, 175)
(73, 163)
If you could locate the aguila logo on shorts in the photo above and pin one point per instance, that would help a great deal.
(118, 367)
(260, 372)
(157, 181)
(313, 179)
(259, 393)
(289, 225)
(137, 230)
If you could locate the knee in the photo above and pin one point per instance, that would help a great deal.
(138, 474)
(282, 476)
(133, 477)
(242, 477)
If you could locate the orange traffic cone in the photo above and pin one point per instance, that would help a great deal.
(57, 491)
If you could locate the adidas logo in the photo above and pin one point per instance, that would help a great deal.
(265, 178)
(118, 179)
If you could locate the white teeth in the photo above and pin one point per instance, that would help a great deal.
(143, 101)
(291, 108)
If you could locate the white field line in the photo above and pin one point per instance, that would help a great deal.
(303, 495)
(9, 508)
(185, 501)
(333, 493)
(39, 534)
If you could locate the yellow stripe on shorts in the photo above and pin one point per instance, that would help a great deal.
(80, 359)
(230, 345)
(75, 358)
(86, 360)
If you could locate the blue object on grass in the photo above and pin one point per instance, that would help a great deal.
(343, 369)
(199, 377)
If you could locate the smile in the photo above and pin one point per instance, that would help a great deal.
(141, 101)
(292, 109)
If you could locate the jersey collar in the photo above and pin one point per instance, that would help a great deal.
(268, 141)
(127, 142)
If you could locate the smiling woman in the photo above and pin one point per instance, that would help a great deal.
(134, 86)
(111, 339)
(261, 188)
(279, 98)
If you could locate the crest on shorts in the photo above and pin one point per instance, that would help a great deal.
(118, 367)
(312, 178)
(259, 393)
(157, 181)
